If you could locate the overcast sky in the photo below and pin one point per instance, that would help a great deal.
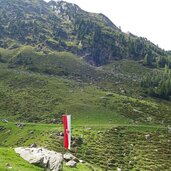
(145, 18)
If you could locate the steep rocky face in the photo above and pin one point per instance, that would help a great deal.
(62, 26)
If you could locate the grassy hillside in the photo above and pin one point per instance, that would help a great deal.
(108, 147)
(56, 58)
(111, 116)
(11, 161)
(62, 26)
(37, 88)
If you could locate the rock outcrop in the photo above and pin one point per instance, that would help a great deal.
(42, 157)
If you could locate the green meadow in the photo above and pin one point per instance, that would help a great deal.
(111, 115)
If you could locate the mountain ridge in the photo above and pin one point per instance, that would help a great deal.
(62, 26)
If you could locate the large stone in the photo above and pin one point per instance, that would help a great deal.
(42, 157)
(68, 157)
(71, 163)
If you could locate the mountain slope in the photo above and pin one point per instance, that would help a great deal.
(56, 58)
(63, 26)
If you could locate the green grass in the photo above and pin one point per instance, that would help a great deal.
(83, 167)
(104, 146)
(35, 87)
(35, 97)
(9, 160)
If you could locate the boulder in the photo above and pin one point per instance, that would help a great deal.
(42, 157)
(71, 163)
(68, 157)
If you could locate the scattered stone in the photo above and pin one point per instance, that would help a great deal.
(81, 161)
(71, 163)
(61, 134)
(131, 162)
(4, 120)
(31, 132)
(42, 157)
(33, 145)
(147, 137)
(119, 169)
(123, 91)
(68, 157)
(137, 111)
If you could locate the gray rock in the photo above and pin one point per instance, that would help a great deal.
(71, 163)
(42, 157)
(61, 134)
(4, 120)
(33, 145)
(68, 157)
(147, 137)
(81, 161)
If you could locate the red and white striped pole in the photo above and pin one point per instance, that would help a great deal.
(67, 133)
(67, 130)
